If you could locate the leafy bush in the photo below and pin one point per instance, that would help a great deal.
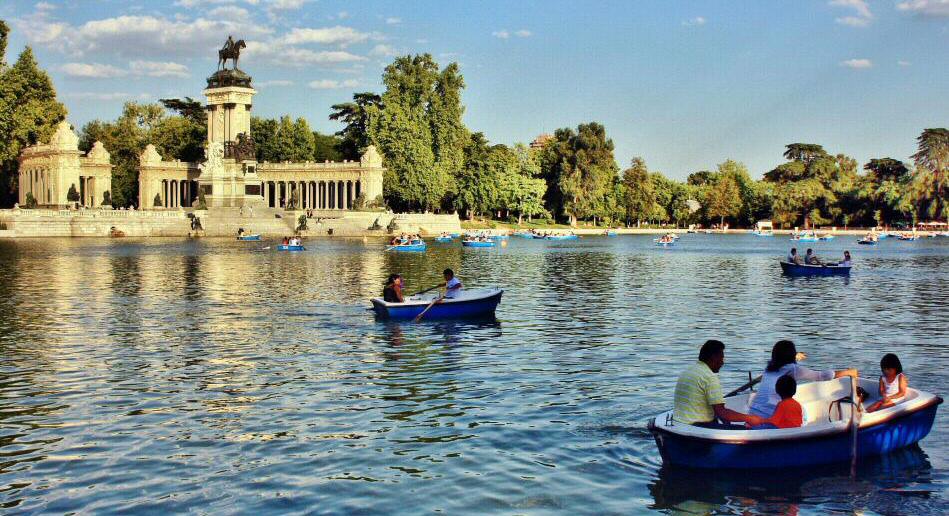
(301, 223)
(106, 198)
(30, 200)
(359, 203)
(202, 202)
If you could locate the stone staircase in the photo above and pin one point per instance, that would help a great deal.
(225, 222)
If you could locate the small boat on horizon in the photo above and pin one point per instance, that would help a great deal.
(249, 238)
(287, 247)
(826, 436)
(478, 243)
(469, 303)
(413, 246)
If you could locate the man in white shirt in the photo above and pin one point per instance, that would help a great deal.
(452, 284)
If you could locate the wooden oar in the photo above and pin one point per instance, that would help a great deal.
(424, 291)
(751, 383)
(427, 308)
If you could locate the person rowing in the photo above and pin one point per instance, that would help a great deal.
(452, 284)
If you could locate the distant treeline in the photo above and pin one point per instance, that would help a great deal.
(435, 163)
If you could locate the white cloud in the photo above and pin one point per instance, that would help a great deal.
(92, 70)
(201, 3)
(274, 83)
(857, 64)
(925, 8)
(331, 84)
(903, 64)
(694, 22)
(337, 35)
(230, 12)
(296, 56)
(90, 95)
(44, 6)
(501, 34)
(523, 33)
(393, 21)
(158, 69)
(381, 50)
(342, 15)
(286, 5)
(861, 16)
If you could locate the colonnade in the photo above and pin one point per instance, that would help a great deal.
(37, 182)
(316, 195)
(178, 194)
(87, 191)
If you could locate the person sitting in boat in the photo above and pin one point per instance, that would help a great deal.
(392, 292)
(794, 257)
(698, 393)
(784, 357)
(240, 232)
(846, 261)
(788, 413)
(893, 383)
(286, 241)
(452, 284)
(810, 258)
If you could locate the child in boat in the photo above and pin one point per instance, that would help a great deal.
(893, 383)
(788, 413)
(392, 292)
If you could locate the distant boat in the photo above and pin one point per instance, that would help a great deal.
(865, 241)
(825, 437)
(610, 233)
(444, 239)
(666, 244)
(825, 237)
(500, 237)
(524, 234)
(794, 269)
(561, 237)
(284, 247)
(469, 303)
(249, 238)
(413, 246)
(763, 233)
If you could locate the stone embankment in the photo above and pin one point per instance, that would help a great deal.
(218, 222)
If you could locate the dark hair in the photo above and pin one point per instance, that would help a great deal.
(810, 250)
(891, 361)
(448, 271)
(393, 277)
(786, 386)
(710, 349)
(793, 250)
(847, 254)
(782, 354)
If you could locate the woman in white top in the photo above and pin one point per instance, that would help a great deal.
(784, 362)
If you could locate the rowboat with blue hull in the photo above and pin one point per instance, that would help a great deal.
(444, 239)
(794, 269)
(478, 243)
(291, 248)
(826, 436)
(560, 237)
(467, 304)
(249, 238)
(416, 246)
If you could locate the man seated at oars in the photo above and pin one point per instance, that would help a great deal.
(452, 288)
(698, 394)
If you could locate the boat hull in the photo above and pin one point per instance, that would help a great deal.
(882, 438)
(443, 240)
(410, 248)
(561, 237)
(473, 308)
(866, 242)
(793, 269)
(478, 244)
(291, 248)
(249, 238)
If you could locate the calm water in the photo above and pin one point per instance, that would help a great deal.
(211, 376)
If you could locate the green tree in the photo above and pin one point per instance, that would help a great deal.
(326, 147)
(356, 116)
(724, 199)
(639, 196)
(929, 184)
(579, 169)
(29, 113)
(479, 181)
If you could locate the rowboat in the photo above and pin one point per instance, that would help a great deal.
(825, 238)
(763, 233)
(867, 242)
(826, 436)
(500, 237)
(666, 244)
(283, 247)
(414, 246)
(478, 243)
(799, 238)
(794, 269)
(561, 237)
(249, 238)
(909, 238)
(611, 234)
(468, 303)
(525, 234)
(443, 239)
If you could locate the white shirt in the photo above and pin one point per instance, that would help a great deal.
(892, 389)
(453, 286)
(767, 399)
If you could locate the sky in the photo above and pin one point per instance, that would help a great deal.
(684, 84)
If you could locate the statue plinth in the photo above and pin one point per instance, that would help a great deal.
(225, 78)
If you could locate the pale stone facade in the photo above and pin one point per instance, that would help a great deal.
(48, 171)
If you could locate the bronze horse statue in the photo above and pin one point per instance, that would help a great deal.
(231, 50)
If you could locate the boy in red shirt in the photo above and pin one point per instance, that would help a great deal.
(788, 413)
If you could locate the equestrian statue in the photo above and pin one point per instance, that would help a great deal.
(232, 51)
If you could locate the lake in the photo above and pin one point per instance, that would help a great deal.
(212, 376)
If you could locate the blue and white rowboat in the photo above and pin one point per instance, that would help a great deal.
(249, 238)
(414, 247)
(469, 303)
(867, 242)
(478, 243)
(793, 269)
(825, 437)
(291, 248)
(443, 239)
(561, 237)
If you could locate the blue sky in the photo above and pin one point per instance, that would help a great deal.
(684, 84)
